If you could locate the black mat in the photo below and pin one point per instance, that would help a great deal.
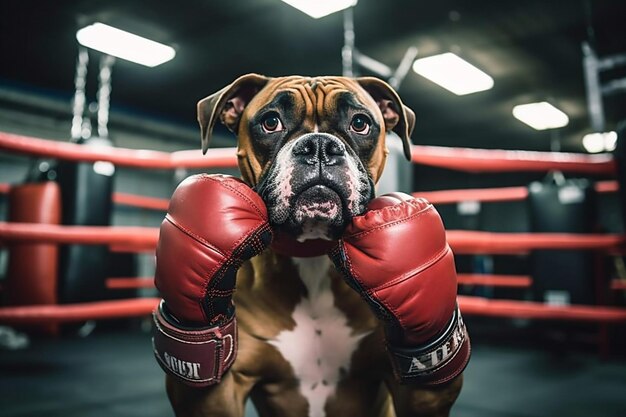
(113, 374)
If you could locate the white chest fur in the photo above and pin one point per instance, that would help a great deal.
(321, 344)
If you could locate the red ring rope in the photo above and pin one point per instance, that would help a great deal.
(478, 306)
(492, 195)
(125, 199)
(461, 159)
(475, 242)
(97, 310)
(137, 158)
(131, 238)
(485, 195)
(150, 203)
(469, 306)
(461, 241)
(497, 160)
(510, 281)
(514, 281)
(124, 283)
(618, 285)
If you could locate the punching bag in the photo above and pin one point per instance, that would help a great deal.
(86, 189)
(32, 267)
(568, 206)
(619, 154)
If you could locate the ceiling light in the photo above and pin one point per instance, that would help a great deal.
(540, 116)
(320, 8)
(600, 142)
(453, 73)
(125, 45)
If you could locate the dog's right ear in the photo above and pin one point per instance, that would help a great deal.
(398, 117)
(227, 105)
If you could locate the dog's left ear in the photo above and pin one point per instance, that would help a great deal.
(227, 105)
(398, 117)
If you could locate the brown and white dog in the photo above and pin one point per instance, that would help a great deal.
(313, 148)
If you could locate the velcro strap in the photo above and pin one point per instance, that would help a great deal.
(438, 361)
(198, 357)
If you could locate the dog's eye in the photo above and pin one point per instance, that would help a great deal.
(360, 124)
(271, 123)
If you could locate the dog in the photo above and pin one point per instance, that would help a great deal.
(313, 148)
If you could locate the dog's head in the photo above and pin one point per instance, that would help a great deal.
(313, 148)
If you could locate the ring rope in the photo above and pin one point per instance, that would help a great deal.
(497, 160)
(131, 238)
(461, 241)
(479, 306)
(515, 281)
(123, 199)
(511, 281)
(134, 238)
(486, 280)
(495, 280)
(125, 283)
(97, 310)
(469, 305)
(618, 285)
(136, 158)
(478, 242)
(485, 195)
(494, 195)
(138, 201)
(460, 159)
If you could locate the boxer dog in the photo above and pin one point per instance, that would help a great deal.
(313, 148)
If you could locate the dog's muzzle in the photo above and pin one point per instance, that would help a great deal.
(315, 186)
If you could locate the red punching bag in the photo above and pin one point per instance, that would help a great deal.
(32, 267)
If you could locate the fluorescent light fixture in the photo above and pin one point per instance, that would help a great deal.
(320, 8)
(453, 73)
(600, 142)
(610, 141)
(540, 116)
(125, 45)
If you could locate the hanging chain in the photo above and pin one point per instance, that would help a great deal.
(104, 94)
(78, 106)
(347, 53)
(81, 124)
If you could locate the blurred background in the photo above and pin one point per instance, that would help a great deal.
(569, 54)
(531, 49)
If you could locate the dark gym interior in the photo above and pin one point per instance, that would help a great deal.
(523, 364)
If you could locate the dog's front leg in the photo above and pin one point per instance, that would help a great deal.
(424, 401)
(214, 223)
(226, 399)
(397, 258)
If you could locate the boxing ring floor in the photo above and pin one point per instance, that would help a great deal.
(112, 373)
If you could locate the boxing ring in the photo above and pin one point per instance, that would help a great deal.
(135, 239)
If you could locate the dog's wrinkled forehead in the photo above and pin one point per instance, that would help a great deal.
(313, 98)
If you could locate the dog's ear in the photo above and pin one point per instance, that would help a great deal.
(227, 105)
(398, 117)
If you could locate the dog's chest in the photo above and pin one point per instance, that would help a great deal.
(319, 347)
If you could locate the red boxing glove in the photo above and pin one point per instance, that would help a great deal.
(396, 256)
(214, 223)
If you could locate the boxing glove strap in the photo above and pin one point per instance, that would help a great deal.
(437, 362)
(198, 357)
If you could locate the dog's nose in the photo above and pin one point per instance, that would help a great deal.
(319, 148)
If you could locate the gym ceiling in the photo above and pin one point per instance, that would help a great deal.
(532, 49)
